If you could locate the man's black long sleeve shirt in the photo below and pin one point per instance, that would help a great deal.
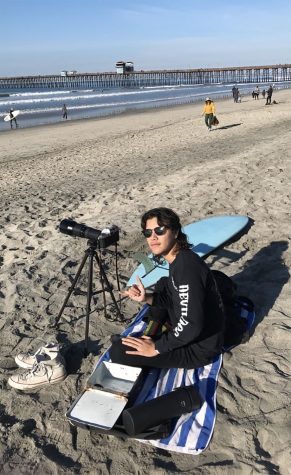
(193, 303)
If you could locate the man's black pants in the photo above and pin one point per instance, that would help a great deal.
(191, 356)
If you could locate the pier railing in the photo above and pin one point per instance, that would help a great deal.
(247, 74)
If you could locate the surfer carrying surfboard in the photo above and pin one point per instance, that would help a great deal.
(12, 118)
(188, 299)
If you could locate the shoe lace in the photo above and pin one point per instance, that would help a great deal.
(37, 368)
(40, 351)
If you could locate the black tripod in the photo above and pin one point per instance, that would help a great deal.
(90, 253)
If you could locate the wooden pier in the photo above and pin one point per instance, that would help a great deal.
(230, 75)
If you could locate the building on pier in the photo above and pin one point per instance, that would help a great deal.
(65, 73)
(123, 67)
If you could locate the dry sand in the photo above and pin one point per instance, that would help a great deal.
(110, 171)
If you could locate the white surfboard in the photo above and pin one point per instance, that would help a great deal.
(7, 118)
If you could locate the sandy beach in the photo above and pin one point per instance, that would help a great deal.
(109, 171)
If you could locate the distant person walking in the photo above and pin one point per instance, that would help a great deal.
(65, 111)
(235, 93)
(208, 112)
(12, 118)
(264, 93)
(256, 93)
(269, 95)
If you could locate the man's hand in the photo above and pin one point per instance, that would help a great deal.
(143, 346)
(136, 292)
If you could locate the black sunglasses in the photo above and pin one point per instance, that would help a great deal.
(159, 231)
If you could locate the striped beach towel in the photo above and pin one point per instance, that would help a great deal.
(191, 433)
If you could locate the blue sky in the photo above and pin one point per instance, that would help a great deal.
(46, 36)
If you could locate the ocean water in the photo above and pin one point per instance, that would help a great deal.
(44, 106)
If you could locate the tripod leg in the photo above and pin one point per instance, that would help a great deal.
(103, 292)
(88, 306)
(71, 288)
(104, 276)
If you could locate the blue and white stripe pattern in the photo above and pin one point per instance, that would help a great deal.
(191, 433)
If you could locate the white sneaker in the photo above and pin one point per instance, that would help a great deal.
(41, 374)
(45, 353)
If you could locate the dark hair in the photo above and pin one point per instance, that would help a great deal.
(167, 217)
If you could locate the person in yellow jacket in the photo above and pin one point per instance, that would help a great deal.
(208, 112)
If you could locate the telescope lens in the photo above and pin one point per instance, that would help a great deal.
(105, 238)
(67, 227)
(70, 227)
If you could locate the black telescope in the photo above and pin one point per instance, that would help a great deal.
(104, 238)
(97, 240)
(70, 227)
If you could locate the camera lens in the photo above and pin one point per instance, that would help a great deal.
(104, 238)
(67, 227)
(70, 227)
(91, 233)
